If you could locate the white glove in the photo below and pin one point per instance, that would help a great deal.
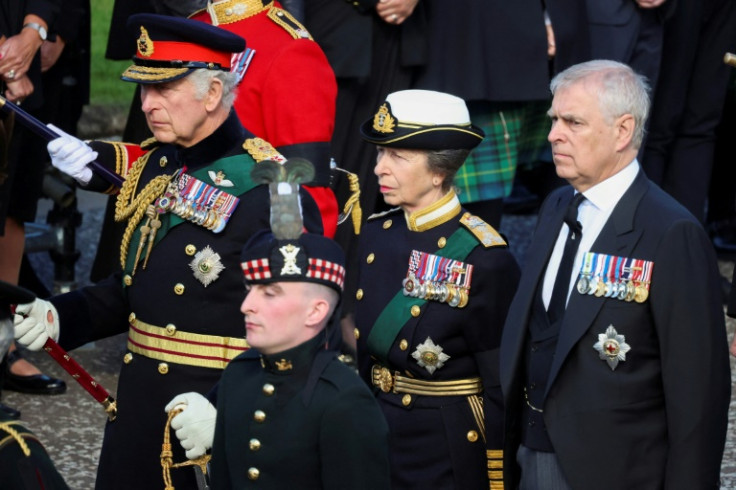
(195, 425)
(35, 322)
(71, 155)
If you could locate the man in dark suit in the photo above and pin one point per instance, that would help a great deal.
(627, 385)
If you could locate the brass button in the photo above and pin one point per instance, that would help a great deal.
(170, 329)
(406, 400)
(268, 389)
(228, 11)
(472, 436)
(403, 345)
(254, 444)
(359, 294)
(131, 317)
(387, 224)
(127, 280)
(259, 416)
(442, 242)
(163, 368)
(356, 333)
(415, 311)
(371, 257)
(179, 289)
(190, 249)
(127, 358)
(162, 162)
(253, 473)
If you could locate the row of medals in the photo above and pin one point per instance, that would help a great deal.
(622, 290)
(453, 295)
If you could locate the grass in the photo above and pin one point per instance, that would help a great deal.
(106, 88)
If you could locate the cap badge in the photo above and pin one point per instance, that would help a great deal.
(290, 252)
(383, 122)
(206, 266)
(219, 178)
(612, 347)
(145, 44)
(430, 356)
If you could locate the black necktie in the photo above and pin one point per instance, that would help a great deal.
(562, 282)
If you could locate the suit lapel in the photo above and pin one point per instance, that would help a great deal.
(618, 237)
(545, 235)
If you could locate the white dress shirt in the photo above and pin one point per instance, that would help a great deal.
(593, 214)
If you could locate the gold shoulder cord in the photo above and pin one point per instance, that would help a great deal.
(167, 459)
(16, 436)
(133, 208)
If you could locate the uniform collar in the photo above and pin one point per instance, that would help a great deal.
(295, 360)
(215, 146)
(435, 214)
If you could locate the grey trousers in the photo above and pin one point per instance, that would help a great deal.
(540, 470)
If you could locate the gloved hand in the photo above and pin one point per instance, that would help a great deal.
(195, 425)
(71, 155)
(35, 322)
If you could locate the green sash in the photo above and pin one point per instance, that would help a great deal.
(398, 311)
(236, 169)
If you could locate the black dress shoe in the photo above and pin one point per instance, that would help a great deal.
(36, 384)
(9, 412)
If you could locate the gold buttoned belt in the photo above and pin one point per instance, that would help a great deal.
(393, 382)
(171, 345)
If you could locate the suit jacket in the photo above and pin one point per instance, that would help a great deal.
(659, 419)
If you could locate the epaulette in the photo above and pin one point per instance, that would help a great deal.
(382, 214)
(261, 150)
(230, 11)
(289, 23)
(149, 143)
(485, 233)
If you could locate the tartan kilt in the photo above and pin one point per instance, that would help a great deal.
(516, 134)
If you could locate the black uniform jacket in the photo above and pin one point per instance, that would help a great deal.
(168, 296)
(436, 441)
(658, 420)
(297, 419)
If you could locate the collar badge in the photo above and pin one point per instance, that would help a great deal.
(612, 347)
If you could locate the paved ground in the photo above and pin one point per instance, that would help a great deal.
(71, 425)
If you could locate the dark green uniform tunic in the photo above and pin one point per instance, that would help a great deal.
(298, 419)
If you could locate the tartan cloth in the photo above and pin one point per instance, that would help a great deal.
(516, 134)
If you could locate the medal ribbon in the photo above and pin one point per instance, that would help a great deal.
(398, 311)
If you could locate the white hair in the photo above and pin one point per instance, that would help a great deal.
(620, 91)
(201, 79)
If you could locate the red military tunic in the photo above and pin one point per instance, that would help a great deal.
(288, 91)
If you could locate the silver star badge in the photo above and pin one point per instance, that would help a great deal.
(612, 347)
(430, 356)
(206, 266)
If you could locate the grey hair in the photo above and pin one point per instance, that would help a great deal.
(446, 163)
(201, 77)
(620, 91)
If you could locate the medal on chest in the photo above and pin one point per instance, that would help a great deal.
(436, 278)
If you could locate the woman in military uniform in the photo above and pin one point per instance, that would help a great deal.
(434, 287)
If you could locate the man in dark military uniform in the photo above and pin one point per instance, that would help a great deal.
(190, 205)
(289, 413)
(24, 463)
